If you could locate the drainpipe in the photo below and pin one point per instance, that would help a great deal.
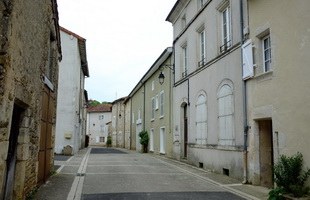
(143, 106)
(245, 120)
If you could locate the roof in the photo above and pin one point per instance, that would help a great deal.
(100, 108)
(176, 10)
(120, 99)
(157, 64)
(82, 49)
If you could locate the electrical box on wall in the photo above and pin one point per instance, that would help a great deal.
(68, 135)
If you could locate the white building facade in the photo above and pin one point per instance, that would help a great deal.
(207, 93)
(98, 117)
(70, 123)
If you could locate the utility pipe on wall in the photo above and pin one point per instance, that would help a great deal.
(245, 118)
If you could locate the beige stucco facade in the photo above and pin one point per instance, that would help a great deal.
(207, 93)
(151, 107)
(278, 99)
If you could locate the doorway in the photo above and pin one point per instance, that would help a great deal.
(266, 153)
(45, 145)
(185, 131)
(162, 140)
(152, 140)
(7, 190)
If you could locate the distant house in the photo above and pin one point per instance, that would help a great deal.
(29, 54)
(73, 69)
(98, 117)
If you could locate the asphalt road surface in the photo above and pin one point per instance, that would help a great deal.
(120, 174)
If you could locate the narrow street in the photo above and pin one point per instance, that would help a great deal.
(107, 173)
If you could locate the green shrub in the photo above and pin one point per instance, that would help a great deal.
(290, 176)
(109, 142)
(144, 140)
(276, 194)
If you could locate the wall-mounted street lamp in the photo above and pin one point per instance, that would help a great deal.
(161, 77)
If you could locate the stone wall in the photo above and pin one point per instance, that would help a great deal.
(27, 31)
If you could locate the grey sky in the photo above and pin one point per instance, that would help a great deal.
(123, 40)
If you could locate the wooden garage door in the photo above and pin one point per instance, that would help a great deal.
(45, 146)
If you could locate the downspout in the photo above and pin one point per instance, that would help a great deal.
(130, 126)
(124, 124)
(143, 106)
(245, 117)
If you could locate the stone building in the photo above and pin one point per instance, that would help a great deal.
(118, 122)
(29, 54)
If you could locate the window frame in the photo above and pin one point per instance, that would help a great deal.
(161, 104)
(152, 108)
(226, 39)
(184, 60)
(156, 102)
(264, 49)
(202, 48)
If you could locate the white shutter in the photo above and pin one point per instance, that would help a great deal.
(247, 60)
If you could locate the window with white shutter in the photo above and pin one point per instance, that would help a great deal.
(201, 120)
(247, 55)
(161, 103)
(226, 115)
(153, 109)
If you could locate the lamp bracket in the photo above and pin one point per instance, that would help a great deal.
(168, 66)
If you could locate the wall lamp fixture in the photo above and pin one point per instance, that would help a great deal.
(161, 77)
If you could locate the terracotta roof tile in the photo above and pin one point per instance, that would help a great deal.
(100, 108)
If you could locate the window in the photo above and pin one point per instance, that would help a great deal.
(226, 113)
(133, 117)
(161, 102)
(156, 103)
(153, 109)
(185, 61)
(201, 120)
(266, 53)
(152, 85)
(202, 49)
(102, 127)
(101, 117)
(226, 29)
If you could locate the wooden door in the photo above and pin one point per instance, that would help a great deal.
(45, 146)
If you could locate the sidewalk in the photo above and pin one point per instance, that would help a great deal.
(67, 183)
(235, 186)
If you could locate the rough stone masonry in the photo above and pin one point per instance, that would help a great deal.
(29, 55)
